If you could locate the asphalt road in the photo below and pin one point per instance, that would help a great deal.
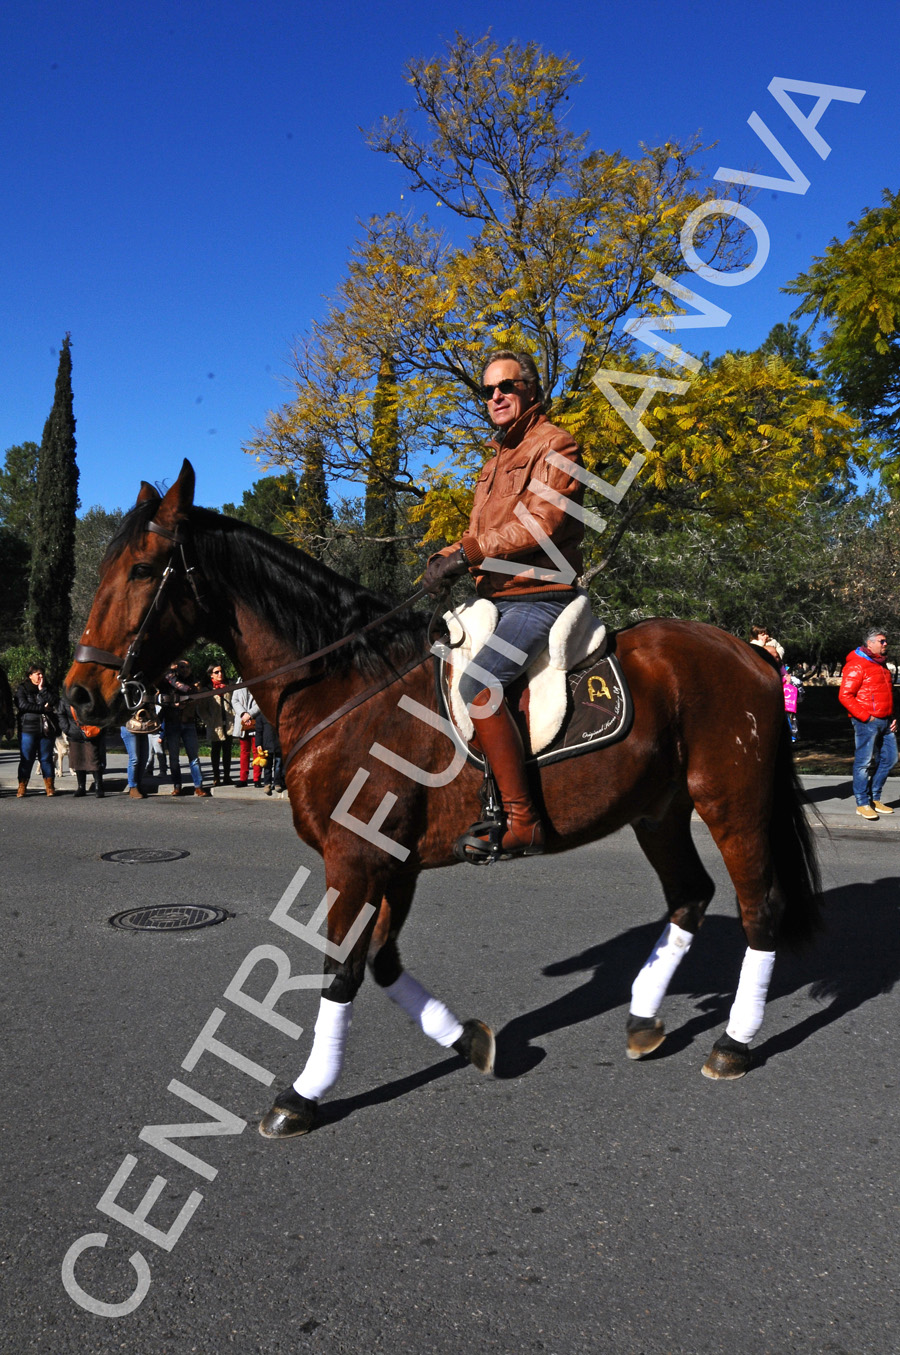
(575, 1202)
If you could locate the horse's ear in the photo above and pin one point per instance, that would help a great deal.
(147, 493)
(179, 498)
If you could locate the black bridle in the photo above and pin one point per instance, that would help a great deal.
(135, 692)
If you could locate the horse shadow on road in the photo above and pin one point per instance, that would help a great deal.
(853, 960)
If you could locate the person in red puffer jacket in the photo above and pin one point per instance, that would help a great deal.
(868, 696)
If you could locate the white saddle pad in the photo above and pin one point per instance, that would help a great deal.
(575, 634)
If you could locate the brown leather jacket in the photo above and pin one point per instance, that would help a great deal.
(495, 531)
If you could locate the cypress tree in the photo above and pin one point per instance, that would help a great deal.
(380, 559)
(313, 513)
(53, 546)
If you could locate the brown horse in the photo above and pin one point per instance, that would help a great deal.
(382, 792)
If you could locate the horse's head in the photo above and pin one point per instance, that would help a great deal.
(146, 609)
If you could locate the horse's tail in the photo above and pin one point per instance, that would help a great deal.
(794, 861)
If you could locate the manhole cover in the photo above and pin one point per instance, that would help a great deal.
(143, 856)
(169, 918)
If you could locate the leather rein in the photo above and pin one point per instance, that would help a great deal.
(136, 693)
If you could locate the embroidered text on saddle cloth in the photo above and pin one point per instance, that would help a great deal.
(576, 698)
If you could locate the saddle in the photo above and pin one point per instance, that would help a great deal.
(572, 700)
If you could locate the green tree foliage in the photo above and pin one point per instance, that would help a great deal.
(864, 574)
(380, 552)
(786, 342)
(269, 504)
(18, 490)
(745, 511)
(18, 486)
(312, 518)
(796, 581)
(15, 559)
(53, 552)
(854, 287)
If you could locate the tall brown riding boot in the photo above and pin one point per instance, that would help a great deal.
(498, 738)
(49, 786)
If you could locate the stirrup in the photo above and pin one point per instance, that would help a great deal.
(480, 844)
(472, 847)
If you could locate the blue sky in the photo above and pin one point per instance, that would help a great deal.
(183, 183)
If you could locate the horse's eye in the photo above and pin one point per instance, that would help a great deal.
(141, 572)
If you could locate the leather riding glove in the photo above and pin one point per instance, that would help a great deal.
(442, 569)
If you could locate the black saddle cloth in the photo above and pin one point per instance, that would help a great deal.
(599, 709)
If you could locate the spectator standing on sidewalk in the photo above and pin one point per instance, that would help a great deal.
(87, 751)
(217, 713)
(867, 695)
(136, 734)
(246, 713)
(156, 748)
(180, 725)
(36, 704)
(267, 741)
(793, 695)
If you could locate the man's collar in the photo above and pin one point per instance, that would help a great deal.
(515, 432)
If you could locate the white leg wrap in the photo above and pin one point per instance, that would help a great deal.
(326, 1058)
(649, 988)
(429, 1013)
(750, 1000)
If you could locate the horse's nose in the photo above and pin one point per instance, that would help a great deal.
(81, 698)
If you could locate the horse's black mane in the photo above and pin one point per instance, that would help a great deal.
(303, 601)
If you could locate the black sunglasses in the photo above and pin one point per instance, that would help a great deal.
(504, 387)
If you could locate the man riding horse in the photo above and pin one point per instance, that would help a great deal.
(528, 593)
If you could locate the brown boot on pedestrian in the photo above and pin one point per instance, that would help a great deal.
(21, 791)
(49, 786)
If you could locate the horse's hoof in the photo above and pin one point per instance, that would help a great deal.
(290, 1116)
(728, 1059)
(643, 1035)
(477, 1045)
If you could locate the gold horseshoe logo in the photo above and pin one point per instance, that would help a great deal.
(597, 687)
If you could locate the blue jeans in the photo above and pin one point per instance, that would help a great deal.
(525, 623)
(174, 736)
(136, 746)
(876, 753)
(34, 745)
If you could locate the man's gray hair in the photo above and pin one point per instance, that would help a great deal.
(873, 633)
(527, 367)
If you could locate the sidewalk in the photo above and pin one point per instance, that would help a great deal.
(116, 779)
(831, 797)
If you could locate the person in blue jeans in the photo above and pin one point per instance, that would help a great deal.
(179, 725)
(867, 694)
(36, 705)
(137, 746)
(876, 755)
